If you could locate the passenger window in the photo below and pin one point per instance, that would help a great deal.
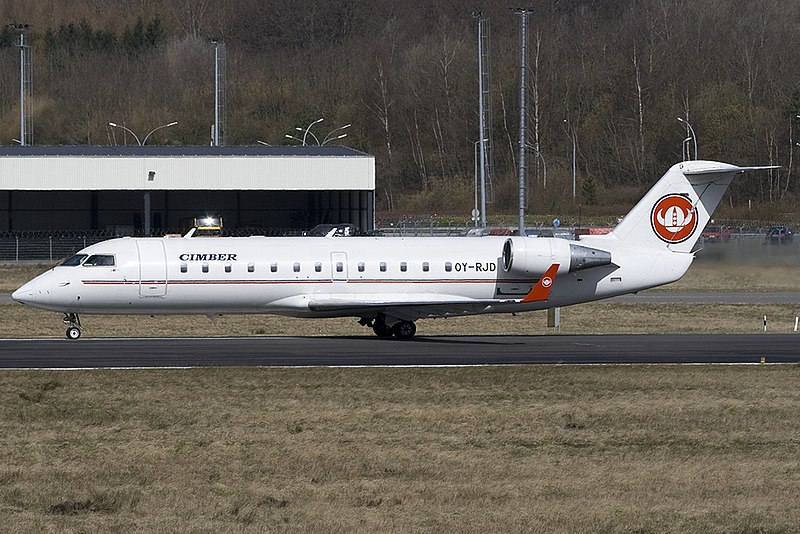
(296, 267)
(228, 268)
(99, 260)
(251, 267)
(184, 268)
(426, 266)
(205, 267)
(383, 266)
(448, 266)
(274, 267)
(403, 266)
(361, 266)
(339, 267)
(317, 267)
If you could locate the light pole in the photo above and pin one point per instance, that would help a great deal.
(150, 175)
(685, 148)
(694, 137)
(24, 83)
(146, 137)
(523, 13)
(572, 135)
(308, 129)
(339, 129)
(479, 213)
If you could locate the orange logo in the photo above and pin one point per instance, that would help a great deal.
(674, 218)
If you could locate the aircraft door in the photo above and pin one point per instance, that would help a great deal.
(339, 266)
(152, 268)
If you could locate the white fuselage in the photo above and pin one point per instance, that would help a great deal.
(328, 276)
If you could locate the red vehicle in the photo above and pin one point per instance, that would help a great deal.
(716, 234)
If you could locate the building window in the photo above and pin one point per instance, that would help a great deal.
(296, 267)
(361, 267)
(383, 266)
(251, 267)
(403, 266)
(448, 266)
(274, 267)
(317, 267)
(184, 268)
(426, 266)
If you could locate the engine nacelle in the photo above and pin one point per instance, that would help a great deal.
(532, 257)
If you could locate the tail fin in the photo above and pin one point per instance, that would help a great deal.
(674, 212)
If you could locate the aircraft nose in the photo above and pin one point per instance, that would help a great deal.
(28, 294)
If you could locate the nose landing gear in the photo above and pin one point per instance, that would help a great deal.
(73, 323)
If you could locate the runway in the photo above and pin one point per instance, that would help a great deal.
(421, 351)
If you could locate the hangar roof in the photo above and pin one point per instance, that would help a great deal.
(161, 167)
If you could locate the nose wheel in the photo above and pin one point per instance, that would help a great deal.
(73, 323)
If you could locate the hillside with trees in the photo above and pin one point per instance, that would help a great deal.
(405, 75)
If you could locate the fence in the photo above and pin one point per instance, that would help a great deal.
(54, 246)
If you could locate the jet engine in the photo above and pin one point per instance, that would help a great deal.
(532, 257)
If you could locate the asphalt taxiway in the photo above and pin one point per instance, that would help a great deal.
(421, 351)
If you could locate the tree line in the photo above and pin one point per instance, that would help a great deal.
(612, 76)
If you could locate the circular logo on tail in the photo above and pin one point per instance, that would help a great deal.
(674, 218)
(547, 281)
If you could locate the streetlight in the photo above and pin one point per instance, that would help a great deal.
(308, 129)
(151, 175)
(476, 213)
(694, 137)
(571, 133)
(339, 129)
(685, 147)
(146, 137)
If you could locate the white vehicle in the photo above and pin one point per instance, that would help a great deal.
(388, 283)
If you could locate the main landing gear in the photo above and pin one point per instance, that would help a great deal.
(400, 329)
(73, 323)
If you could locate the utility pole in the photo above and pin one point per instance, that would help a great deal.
(483, 93)
(523, 13)
(25, 91)
(217, 135)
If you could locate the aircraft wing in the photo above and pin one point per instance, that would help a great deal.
(429, 304)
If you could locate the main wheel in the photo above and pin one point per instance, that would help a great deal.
(381, 330)
(405, 330)
(73, 332)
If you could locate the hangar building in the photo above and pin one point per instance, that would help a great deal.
(47, 188)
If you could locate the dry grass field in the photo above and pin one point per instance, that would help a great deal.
(475, 450)
(506, 449)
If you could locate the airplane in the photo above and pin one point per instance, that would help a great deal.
(388, 283)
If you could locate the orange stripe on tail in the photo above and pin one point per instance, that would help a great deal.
(541, 291)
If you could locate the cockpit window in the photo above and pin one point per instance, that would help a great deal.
(97, 260)
(77, 259)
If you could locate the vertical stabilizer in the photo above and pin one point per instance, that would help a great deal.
(672, 215)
